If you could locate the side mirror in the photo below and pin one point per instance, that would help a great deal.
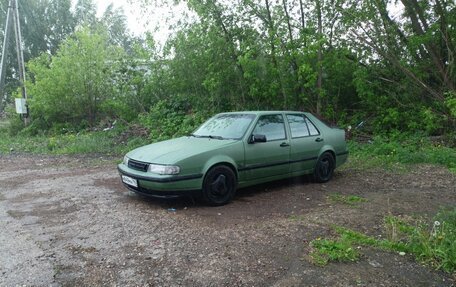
(257, 139)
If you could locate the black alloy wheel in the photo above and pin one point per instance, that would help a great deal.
(219, 185)
(325, 167)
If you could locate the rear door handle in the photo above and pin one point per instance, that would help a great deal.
(318, 139)
(284, 144)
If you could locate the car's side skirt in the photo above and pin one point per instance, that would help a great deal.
(247, 183)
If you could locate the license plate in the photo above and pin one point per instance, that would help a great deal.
(130, 181)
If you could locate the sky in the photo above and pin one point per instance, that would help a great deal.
(141, 22)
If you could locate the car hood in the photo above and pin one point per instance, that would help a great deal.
(174, 150)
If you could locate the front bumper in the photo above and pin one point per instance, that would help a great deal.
(162, 186)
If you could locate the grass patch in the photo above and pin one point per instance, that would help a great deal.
(326, 250)
(396, 154)
(433, 244)
(351, 200)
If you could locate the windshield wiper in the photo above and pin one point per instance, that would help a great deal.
(208, 136)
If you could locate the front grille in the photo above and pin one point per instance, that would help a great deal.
(141, 166)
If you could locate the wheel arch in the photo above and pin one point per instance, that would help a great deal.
(327, 148)
(225, 163)
(221, 160)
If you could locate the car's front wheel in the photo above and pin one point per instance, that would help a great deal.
(325, 167)
(219, 185)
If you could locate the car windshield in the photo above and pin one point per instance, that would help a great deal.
(225, 126)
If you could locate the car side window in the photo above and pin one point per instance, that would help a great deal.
(272, 126)
(312, 129)
(298, 126)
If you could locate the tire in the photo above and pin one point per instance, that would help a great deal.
(219, 185)
(324, 168)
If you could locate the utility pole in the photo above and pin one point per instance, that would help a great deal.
(5, 51)
(12, 18)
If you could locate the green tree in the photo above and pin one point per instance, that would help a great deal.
(73, 87)
(115, 22)
(408, 71)
(86, 13)
(44, 24)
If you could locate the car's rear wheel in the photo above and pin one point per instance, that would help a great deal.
(325, 167)
(219, 185)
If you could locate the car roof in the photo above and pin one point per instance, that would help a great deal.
(264, 112)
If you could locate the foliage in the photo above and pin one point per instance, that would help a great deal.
(326, 250)
(451, 103)
(45, 24)
(395, 151)
(52, 18)
(346, 60)
(270, 57)
(93, 142)
(72, 88)
(175, 118)
(433, 244)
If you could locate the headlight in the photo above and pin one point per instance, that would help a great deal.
(163, 169)
(125, 160)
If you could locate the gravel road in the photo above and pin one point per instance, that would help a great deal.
(68, 221)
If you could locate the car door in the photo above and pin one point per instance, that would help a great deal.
(305, 141)
(270, 158)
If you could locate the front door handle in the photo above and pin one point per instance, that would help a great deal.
(318, 139)
(284, 144)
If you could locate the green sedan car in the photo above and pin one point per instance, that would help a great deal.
(235, 150)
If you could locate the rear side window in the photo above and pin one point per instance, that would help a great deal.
(298, 126)
(312, 129)
(272, 126)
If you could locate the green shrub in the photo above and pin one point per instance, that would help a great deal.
(435, 243)
(169, 119)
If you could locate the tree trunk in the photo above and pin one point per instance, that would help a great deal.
(294, 64)
(271, 33)
(416, 15)
(319, 57)
(303, 23)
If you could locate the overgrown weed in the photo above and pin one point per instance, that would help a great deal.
(397, 153)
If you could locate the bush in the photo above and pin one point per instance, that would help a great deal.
(169, 119)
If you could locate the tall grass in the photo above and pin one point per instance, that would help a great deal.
(93, 142)
(391, 153)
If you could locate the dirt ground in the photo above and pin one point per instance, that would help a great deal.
(68, 221)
